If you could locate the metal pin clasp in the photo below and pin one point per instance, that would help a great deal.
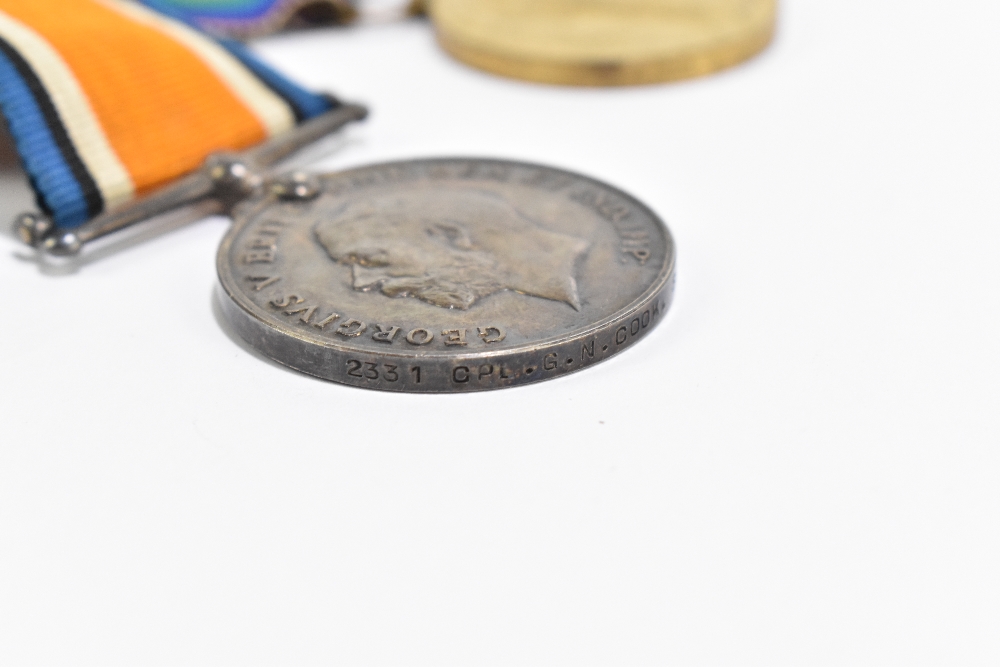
(225, 177)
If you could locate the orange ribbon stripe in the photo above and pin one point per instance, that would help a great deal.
(137, 78)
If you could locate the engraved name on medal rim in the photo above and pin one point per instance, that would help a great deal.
(394, 278)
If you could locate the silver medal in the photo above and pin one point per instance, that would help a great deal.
(446, 275)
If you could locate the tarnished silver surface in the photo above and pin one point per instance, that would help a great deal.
(445, 275)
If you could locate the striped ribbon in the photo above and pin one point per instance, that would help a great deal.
(245, 18)
(106, 99)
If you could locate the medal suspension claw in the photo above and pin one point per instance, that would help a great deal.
(225, 177)
(231, 176)
(296, 186)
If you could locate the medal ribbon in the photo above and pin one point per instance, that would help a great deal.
(107, 100)
(250, 17)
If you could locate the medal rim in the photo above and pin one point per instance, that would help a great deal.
(516, 55)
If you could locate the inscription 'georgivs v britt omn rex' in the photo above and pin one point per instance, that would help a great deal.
(446, 275)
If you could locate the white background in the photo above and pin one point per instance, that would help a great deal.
(799, 467)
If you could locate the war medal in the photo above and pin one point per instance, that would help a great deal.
(603, 42)
(439, 275)
(446, 275)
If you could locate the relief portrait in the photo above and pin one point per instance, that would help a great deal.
(450, 249)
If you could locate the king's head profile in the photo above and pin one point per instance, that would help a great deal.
(450, 248)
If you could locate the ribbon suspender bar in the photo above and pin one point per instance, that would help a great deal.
(108, 101)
